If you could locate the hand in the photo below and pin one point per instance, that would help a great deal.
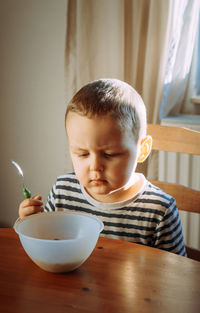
(30, 206)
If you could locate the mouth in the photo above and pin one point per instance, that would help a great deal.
(98, 181)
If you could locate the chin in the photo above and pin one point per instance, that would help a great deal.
(99, 190)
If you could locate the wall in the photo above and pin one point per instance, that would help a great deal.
(32, 106)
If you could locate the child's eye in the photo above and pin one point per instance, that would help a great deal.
(110, 155)
(83, 155)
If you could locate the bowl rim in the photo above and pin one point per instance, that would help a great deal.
(32, 216)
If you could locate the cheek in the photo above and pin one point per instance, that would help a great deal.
(131, 164)
(79, 169)
(125, 167)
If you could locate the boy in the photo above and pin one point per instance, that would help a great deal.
(106, 130)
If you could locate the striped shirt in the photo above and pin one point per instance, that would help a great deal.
(151, 217)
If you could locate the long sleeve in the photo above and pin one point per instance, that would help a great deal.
(51, 203)
(168, 234)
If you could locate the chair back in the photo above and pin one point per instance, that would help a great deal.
(179, 140)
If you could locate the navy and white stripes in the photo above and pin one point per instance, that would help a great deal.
(151, 218)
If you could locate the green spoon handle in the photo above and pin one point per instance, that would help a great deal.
(26, 193)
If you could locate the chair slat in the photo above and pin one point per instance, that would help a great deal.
(174, 139)
(187, 199)
(179, 140)
(193, 253)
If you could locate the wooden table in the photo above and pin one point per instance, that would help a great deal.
(118, 277)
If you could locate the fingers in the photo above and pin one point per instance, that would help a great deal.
(31, 206)
(38, 197)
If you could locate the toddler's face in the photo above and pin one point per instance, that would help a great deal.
(104, 156)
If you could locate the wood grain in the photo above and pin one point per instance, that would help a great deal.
(179, 140)
(174, 139)
(187, 199)
(118, 277)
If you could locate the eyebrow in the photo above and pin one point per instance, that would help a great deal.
(76, 148)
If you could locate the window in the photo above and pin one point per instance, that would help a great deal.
(182, 78)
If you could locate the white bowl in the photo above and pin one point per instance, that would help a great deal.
(58, 241)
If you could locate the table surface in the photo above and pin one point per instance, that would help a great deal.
(117, 277)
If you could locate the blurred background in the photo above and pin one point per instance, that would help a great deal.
(32, 39)
(49, 49)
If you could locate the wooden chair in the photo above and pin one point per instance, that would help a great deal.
(181, 140)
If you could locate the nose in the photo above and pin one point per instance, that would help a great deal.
(96, 163)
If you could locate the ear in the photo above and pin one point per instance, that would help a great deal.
(145, 149)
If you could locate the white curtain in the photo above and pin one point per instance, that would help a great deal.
(193, 84)
(181, 65)
(127, 39)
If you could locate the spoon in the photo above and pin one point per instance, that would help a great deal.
(26, 191)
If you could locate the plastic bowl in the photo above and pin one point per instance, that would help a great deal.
(58, 241)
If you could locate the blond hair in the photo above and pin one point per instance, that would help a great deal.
(114, 98)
